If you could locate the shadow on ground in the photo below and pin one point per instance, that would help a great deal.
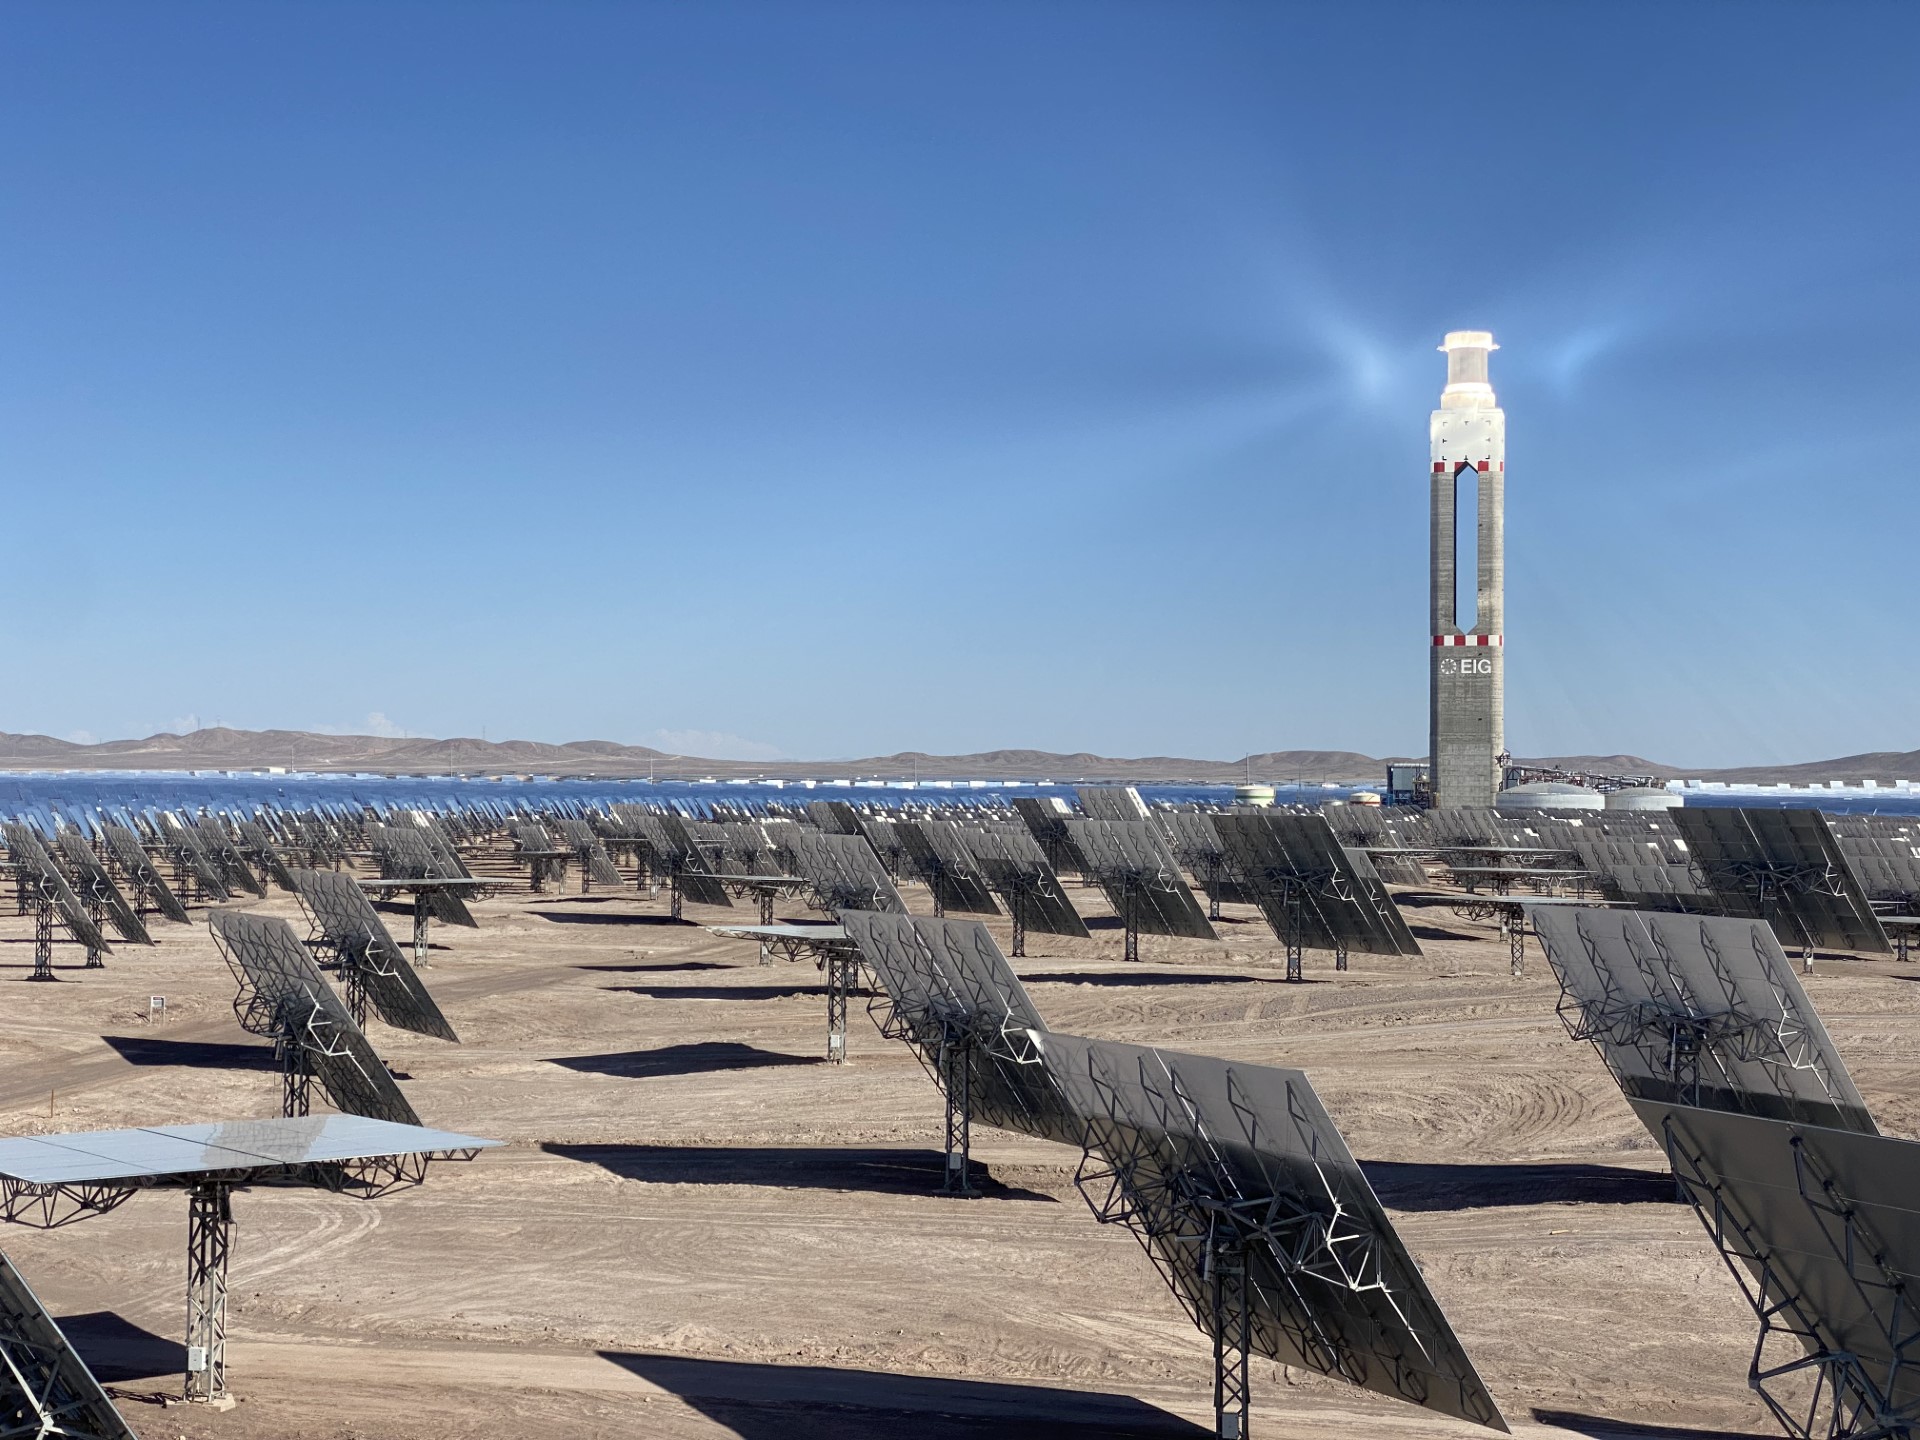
(570, 917)
(1146, 977)
(1601, 1428)
(638, 969)
(1436, 932)
(202, 1054)
(1406, 1186)
(696, 1059)
(718, 992)
(118, 1350)
(798, 1167)
(794, 1402)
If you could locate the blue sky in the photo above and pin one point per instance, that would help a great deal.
(832, 379)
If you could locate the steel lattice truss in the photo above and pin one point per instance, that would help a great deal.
(1111, 802)
(944, 988)
(1884, 851)
(677, 858)
(1786, 867)
(1312, 890)
(45, 1388)
(1128, 860)
(1046, 820)
(191, 859)
(1698, 1010)
(584, 843)
(1196, 846)
(843, 872)
(1820, 1230)
(1241, 1190)
(96, 888)
(282, 995)
(235, 872)
(149, 886)
(745, 849)
(349, 926)
(259, 849)
(417, 852)
(1016, 867)
(940, 856)
(36, 871)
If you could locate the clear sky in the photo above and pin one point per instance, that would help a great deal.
(831, 379)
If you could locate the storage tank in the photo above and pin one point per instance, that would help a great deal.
(1548, 795)
(1644, 798)
(1253, 794)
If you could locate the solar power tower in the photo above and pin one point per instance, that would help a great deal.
(1311, 889)
(1242, 1191)
(1468, 674)
(1786, 867)
(283, 997)
(45, 1388)
(1698, 1010)
(371, 964)
(48, 1181)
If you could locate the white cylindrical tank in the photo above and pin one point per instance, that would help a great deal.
(1644, 798)
(1253, 794)
(1548, 795)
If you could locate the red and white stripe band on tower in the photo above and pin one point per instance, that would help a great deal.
(1468, 639)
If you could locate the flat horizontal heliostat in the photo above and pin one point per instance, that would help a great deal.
(1697, 1010)
(279, 1150)
(46, 1389)
(352, 929)
(283, 995)
(1782, 866)
(1821, 1230)
(1242, 1191)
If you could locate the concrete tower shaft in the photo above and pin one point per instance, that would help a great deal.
(1468, 677)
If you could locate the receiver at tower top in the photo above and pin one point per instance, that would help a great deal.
(1469, 455)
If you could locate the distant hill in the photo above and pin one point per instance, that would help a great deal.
(227, 749)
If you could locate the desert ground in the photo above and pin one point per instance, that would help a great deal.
(698, 1228)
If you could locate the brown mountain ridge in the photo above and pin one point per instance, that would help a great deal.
(222, 748)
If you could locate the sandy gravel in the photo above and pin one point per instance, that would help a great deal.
(700, 1229)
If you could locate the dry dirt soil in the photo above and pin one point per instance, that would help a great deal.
(698, 1228)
